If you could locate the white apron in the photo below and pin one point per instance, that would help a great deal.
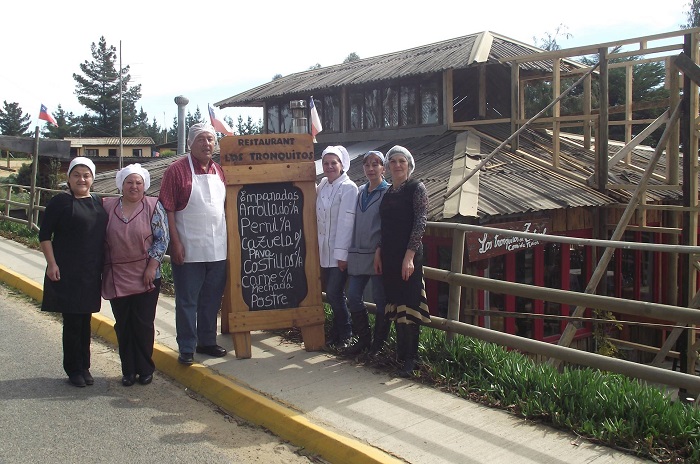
(202, 224)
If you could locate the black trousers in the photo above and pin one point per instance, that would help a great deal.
(134, 316)
(76, 342)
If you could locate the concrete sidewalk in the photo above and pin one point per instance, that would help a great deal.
(344, 412)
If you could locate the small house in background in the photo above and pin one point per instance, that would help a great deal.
(94, 147)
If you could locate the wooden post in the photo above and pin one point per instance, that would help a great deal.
(32, 190)
(629, 74)
(514, 102)
(457, 265)
(556, 111)
(689, 141)
(587, 113)
(273, 263)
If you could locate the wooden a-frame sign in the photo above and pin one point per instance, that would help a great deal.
(273, 279)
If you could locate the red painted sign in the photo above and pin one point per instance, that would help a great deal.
(482, 245)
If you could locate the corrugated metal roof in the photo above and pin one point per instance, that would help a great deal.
(454, 53)
(102, 141)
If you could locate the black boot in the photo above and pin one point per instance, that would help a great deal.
(360, 327)
(381, 332)
(412, 334)
(400, 341)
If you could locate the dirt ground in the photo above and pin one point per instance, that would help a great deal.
(15, 164)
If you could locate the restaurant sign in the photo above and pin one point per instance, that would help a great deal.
(482, 245)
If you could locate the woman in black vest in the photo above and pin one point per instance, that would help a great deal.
(399, 258)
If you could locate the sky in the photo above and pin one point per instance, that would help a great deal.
(209, 52)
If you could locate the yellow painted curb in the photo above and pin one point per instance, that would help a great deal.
(21, 283)
(243, 402)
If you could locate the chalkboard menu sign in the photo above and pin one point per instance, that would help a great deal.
(273, 246)
(273, 276)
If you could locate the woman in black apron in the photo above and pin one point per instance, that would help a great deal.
(72, 239)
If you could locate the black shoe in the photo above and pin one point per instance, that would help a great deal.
(128, 380)
(89, 380)
(212, 350)
(145, 379)
(185, 358)
(77, 380)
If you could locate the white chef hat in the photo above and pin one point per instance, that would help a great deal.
(340, 152)
(135, 168)
(197, 129)
(82, 161)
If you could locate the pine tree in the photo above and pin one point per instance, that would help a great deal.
(172, 132)
(155, 132)
(247, 128)
(13, 122)
(98, 90)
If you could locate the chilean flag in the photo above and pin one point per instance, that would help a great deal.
(218, 124)
(46, 116)
(315, 121)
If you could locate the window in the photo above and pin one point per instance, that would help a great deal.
(357, 114)
(390, 106)
(273, 119)
(137, 153)
(365, 110)
(330, 113)
(279, 118)
(430, 103)
(112, 152)
(92, 152)
(408, 113)
(373, 112)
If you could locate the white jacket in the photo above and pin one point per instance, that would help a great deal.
(335, 218)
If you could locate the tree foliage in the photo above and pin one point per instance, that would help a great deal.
(351, 57)
(13, 121)
(245, 128)
(98, 89)
(692, 15)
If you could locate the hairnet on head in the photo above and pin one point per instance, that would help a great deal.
(82, 161)
(340, 152)
(135, 168)
(199, 128)
(399, 150)
(378, 154)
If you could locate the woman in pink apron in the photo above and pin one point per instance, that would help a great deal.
(136, 241)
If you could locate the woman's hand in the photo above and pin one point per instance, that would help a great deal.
(53, 273)
(378, 261)
(407, 266)
(149, 275)
(342, 265)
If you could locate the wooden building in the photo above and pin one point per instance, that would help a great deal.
(455, 102)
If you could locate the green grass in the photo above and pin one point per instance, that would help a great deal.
(607, 408)
(19, 233)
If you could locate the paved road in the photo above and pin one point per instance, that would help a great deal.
(45, 419)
